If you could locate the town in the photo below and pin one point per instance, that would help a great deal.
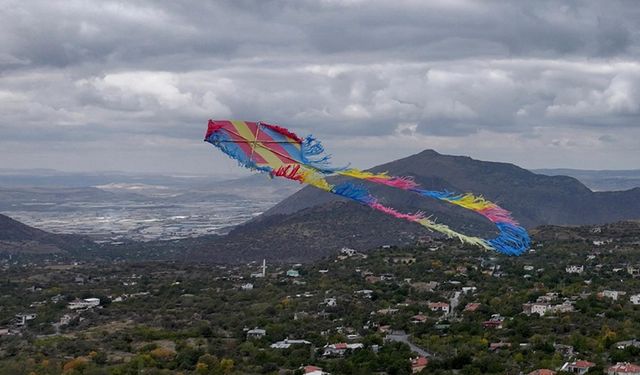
(570, 305)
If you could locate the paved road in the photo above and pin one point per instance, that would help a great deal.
(454, 302)
(401, 336)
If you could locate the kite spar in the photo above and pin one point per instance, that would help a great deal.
(281, 153)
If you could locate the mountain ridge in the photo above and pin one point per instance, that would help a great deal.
(312, 223)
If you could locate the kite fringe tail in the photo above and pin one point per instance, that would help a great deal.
(357, 193)
(404, 183)
(312, 154)
(283, 131)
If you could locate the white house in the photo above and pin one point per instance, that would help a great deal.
(256, 333)
(577, 367)
(633, 270)
(22, 319)
(287, 343)
(87, 303)
(340, 349)
(348, 252)
(439, 306)
(540, 308)
(331, 302)
(367, 293)
(613, 294)
(574, 269)
(247, 286)
(635, 299)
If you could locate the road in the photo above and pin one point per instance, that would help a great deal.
(401, 336)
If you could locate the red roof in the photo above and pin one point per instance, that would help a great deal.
(582, 364)
(624, 367)
(498, 345)
(471, 307)
(420, 361)
(542, 371)
(492, 324)
(311, 368)
(419, 317)
(340, 345)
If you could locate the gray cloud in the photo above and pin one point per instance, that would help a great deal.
(490, 79)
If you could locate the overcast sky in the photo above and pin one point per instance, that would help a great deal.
(130, 85)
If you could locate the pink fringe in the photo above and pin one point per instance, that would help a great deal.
(497, 214)
(390, 211)
(405, 183)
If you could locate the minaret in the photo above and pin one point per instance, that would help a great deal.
(264, 268)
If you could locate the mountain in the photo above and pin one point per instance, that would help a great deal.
(599, 180)
(16, 237)
(311, 223)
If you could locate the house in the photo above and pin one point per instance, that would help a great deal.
(293, 273)
(542, 371)
(421, 286)
(564, 307)
(340, 349)
(628, 343)
(439, 306)
(384, 329)
(536, 308)
(256, 333)
(313, 370)
(494, 322)
(387, 311)
(574, 269)
(577, 367)
(566, 351)
(528, 268)
(471, 307)
(613, 294)
(403, 260)
(635, 299)
(633, 270)
(469, 289)
(417, 319)
(418, 364)
(22, 319)
(494, 346)
(387, 277)
(5, 331)
(348, 252)
(65, 319)
(367, 293)
(371, 279)
(331, 302)
(547, 298)
(87, 303)
(624, 368)
(287, 343)
(247, 286)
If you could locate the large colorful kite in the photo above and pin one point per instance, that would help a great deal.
(279, 152)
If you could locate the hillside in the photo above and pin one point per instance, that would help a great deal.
(311, 223)
(599, 180)
(16, 237)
